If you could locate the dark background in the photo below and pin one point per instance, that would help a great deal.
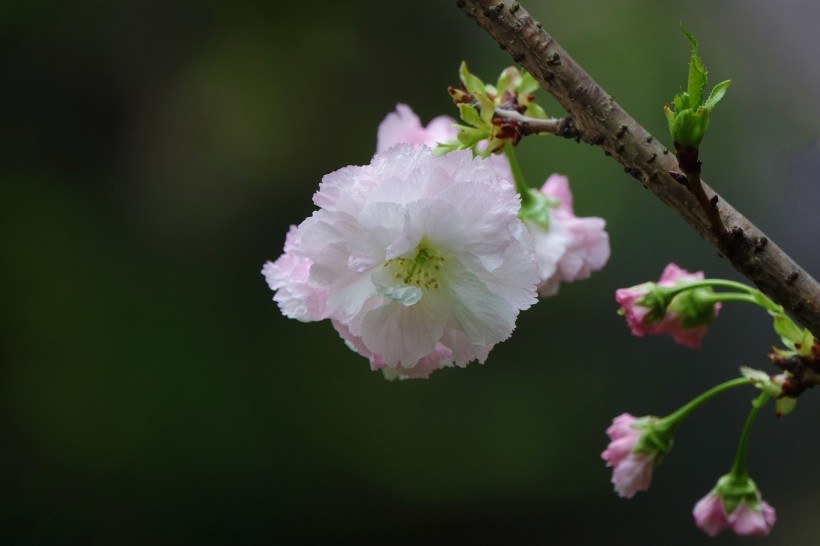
(153, 155)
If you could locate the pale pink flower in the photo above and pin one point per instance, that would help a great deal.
(711, 517)
(422, 258)
(572, 248)
(631, 469)
(673, 322)
(404, 127)
(288, 277)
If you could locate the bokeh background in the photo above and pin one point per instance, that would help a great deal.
(153, 155)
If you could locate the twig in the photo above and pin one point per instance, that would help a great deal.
(537, 126)
(690, 165)
(600, 121)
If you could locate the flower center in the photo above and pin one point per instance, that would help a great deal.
(422, 270)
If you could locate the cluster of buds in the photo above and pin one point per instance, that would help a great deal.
(637, 446)
(800, 360)
(485, 132)
(682, 304)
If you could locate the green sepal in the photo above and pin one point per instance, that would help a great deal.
(690, 306)
(735, 490)
(655, 439)
(656, 299)
(536, 208)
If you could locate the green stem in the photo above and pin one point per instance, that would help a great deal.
(520, 184)
(738, 471)
(722, 283)
(673, 420)
(725, 297)
(752, 295)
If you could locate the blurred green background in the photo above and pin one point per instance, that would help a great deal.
(153, 155)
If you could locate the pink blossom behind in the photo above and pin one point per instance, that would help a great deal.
(572, 248)
(404, 127)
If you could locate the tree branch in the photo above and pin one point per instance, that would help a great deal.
(600, 121)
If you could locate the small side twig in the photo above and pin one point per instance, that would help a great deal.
(536, 126)
(691, 166)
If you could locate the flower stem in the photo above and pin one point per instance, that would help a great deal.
(750, 295)
(518, 178)
(674, 419)
(738, 471)
(726, 297)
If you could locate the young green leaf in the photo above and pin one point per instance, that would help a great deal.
(472, 82)
(487, 108)
(787, 330)
(697, 73)
(535, 111)
(717, 93)
(509, 80)
(528, 83)
(469, 115)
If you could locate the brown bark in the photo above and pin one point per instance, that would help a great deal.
(600, 121)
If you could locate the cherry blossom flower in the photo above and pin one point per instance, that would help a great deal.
(681, 317)
(631, 467)
(404, 127)
(422, 259)
(750, 517)
(572, 248)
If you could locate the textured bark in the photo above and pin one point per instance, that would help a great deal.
(600, 121)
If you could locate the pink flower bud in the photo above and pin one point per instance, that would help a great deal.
(631, 469)
(745, 520)
(686, 325)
